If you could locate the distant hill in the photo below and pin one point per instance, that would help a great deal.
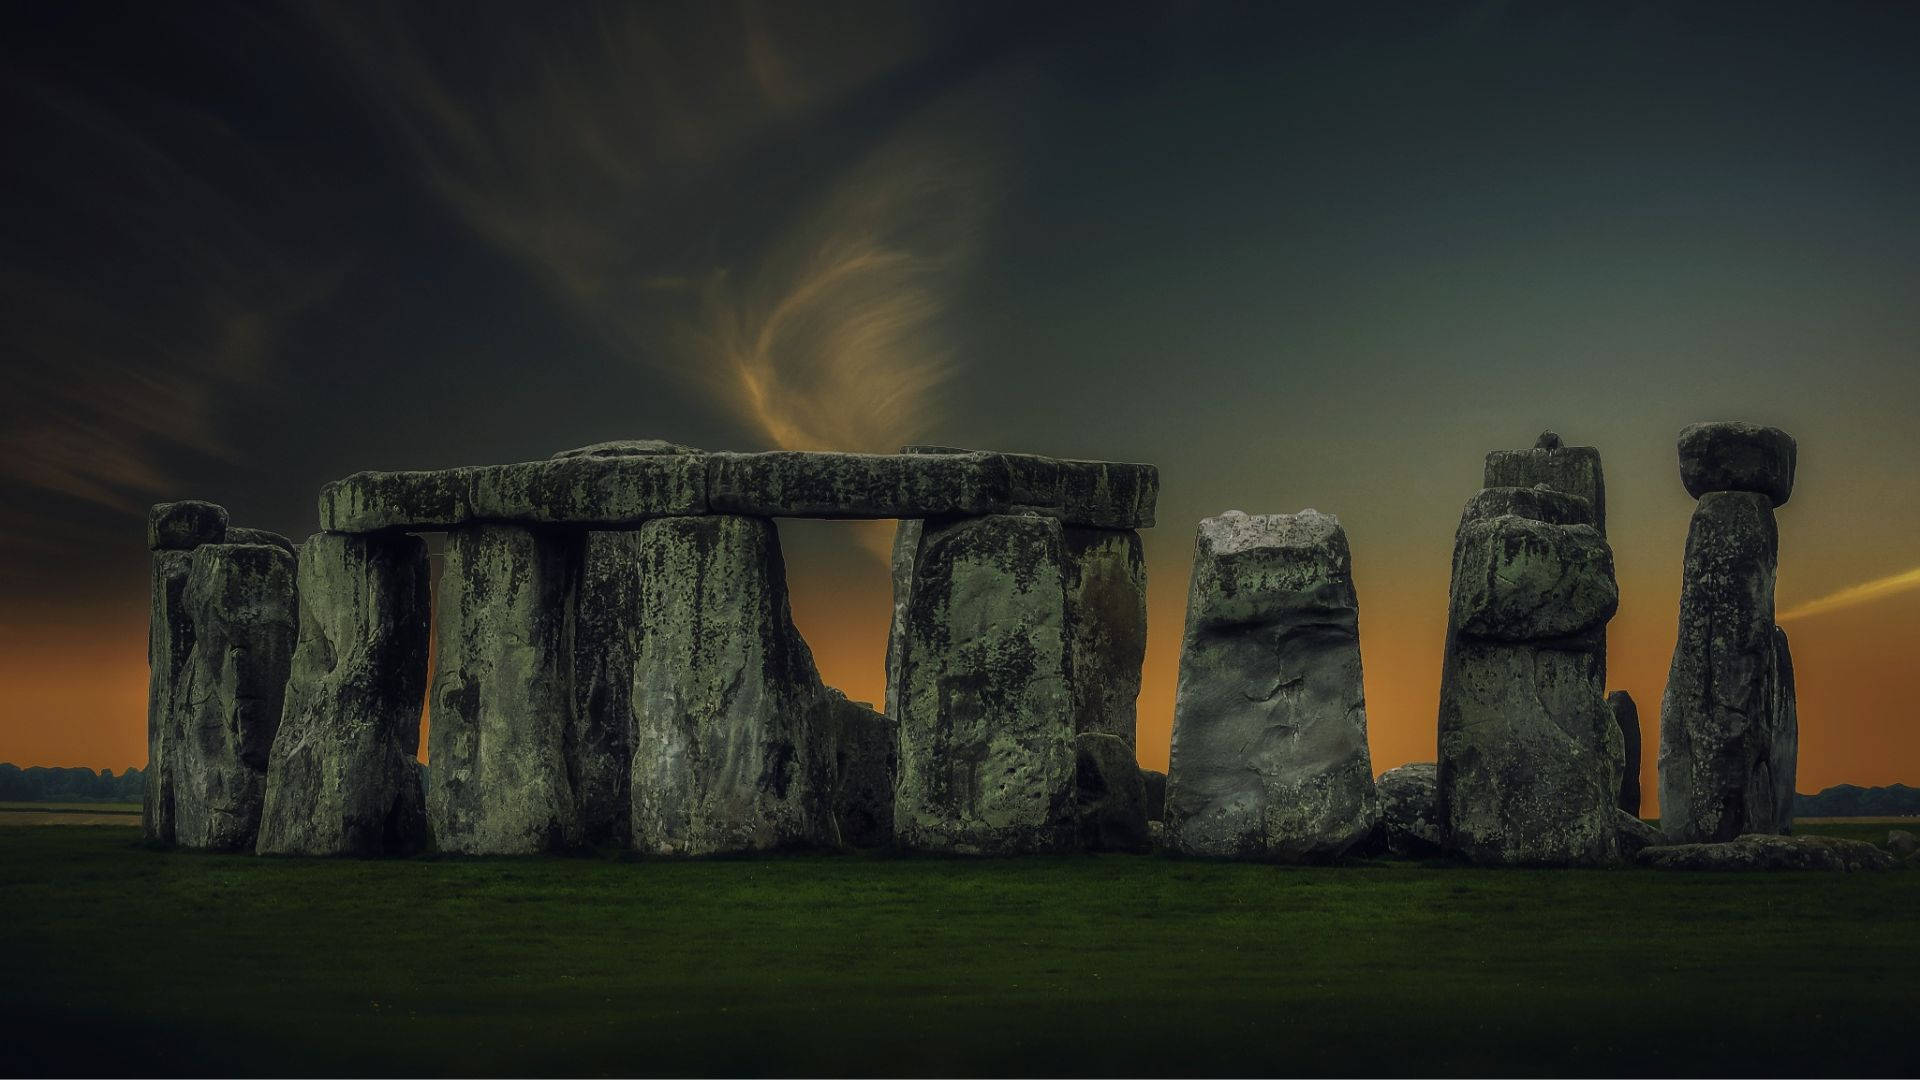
(1851, 800)
(40, 784)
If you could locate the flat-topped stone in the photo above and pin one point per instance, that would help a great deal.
(1574, 470)
(623, 484)
(238, 534)
(1734, 456)
(185, 525)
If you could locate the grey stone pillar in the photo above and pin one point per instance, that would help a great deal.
(242, 603)
(1270, 756)
(1728, 726)
(729, 746)
(981, 686)
(344, 778)
(502, 693)
(173, 531)
(1530, 756)
(1106, 582)
(1626, 717)
(607, 632)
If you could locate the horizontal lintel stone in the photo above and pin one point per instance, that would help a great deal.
(623, 491)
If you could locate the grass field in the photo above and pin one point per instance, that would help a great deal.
(121, 959)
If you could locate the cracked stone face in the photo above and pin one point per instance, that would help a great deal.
(1530, 754)
(1270, 756)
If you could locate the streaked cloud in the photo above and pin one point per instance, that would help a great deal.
(1854, 596)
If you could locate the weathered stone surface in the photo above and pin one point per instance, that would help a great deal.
(982, 690)
(1111, 796)
(237, 534)
(1636, 834)
(620, 485)
(1574, 470)
(1902, 843)
(1762, 852)
(502, 693)
(185, 525)
(1107, 627)
(1270, 755)
(1530, 756)
(169, 646)
(590, 490)
(607, 632)
(1538, 503)
(1783, 745)
(1409, 808)
(1517, 580)
(627, 448)
(906, 552)
(240, 598)
(343, 778)
(1155, 785)
(865, 749)
(1718, 719)
(1735, 456)
(729, 750)
(1626, 717)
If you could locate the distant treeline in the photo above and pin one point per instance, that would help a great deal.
(40, 784)
(1851, 800)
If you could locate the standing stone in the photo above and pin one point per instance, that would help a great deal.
(173, 531)
(906, 553)
(343, 778)
(1270, 755)
(1626, 717)
(502, 694)
(865, 753)
(729, 749)
(241, 600)
(1783, 749)
(1111, 794)
(1530, 756)
(982, 689)
(606, 646)
(1107, 618)
(1720, 745)
(1735, 456)
(1155, 783)
(1410, 811)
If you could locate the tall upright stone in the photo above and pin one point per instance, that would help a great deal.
(1106, 582)
(607, 632)
(1626, 717)
(173, 531)
(1270, 756)
(730, 748)
(241, 601)
(343, 778)
(1530, 755)
(1728, 727)
(981, 684)
(502, 693)
(1572, 470)
(864, 750)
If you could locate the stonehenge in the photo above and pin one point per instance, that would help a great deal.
(1530, 756)
(614, 663)
(1270, 756)
(1729, 731)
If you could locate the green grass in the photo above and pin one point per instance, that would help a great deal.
(70, 807)
(122, 959)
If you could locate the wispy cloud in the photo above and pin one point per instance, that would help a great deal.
(1866, 593)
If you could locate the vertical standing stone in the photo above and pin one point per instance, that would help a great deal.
(1571, 470)
(865, 754)
(729, 745)
(1728, 729)
(907, 535)
(241, 600)
(1530, 755)
(982, 690)
(1626, 716)
(173, 531)
(343, 778)
(502, 694)
(1111, 794)
(1270, 755)
(1107, 619)
(607, 632)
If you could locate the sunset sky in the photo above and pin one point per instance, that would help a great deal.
(1296, 255)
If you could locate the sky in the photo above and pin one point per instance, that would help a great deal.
(1296, 255)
